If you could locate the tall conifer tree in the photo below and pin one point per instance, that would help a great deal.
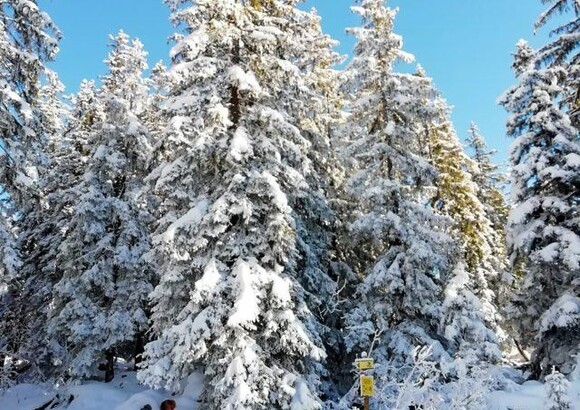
(100, 301)
(544, 233)
(28, 39)
(457, 197)
(405, 253)
(39, 236)
(242, 212)
(490, 182)
(405, 166)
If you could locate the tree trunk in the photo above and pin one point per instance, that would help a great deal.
(109, 366)
(521, 351)
(536, 363)
(139, 350)
(235, 103)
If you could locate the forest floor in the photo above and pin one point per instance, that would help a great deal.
(124, 393)
(531, 395)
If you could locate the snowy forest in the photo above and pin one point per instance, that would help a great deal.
(260, 212)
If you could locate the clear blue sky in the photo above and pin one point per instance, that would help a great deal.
(465, 45)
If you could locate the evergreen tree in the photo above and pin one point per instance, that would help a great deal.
(558, 392)
(466, 326)
(414, 222)
(28, 39)
(238, 243)
(100, 301)
(544, 233)
(404, 251)
(39, 236)
(489, 183)
(457, 197)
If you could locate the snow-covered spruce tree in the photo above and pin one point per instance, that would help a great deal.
(405, 254)
(490, 183)
(38, 240)
(28, 39)
(544, 226)
(240, 283)
(465, 327)
(67, 153)
(100, 301)
(558, 389)
(457, 197)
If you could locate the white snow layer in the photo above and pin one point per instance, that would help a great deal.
(123, 393)
(531, 395)
(192, 217)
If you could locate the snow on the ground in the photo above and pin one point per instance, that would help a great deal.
(530, 395)
(123, 393)
(25, 397)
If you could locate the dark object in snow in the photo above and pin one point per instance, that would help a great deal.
(168, 405)
(46, 405)
(55, 402)
(147, 407)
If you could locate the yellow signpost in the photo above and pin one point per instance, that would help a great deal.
(367, 386)
(365, 364)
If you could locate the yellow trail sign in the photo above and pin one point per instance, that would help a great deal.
(367, 386)
(364, 364)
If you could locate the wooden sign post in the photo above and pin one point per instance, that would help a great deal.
(366, 381)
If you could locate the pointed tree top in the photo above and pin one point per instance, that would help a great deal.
(523, 57)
